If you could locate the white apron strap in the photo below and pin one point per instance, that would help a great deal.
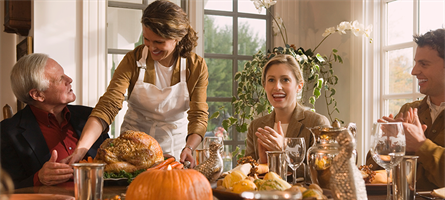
(183, 70)
(143, 60)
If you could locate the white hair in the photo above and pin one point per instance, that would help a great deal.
(27, 74)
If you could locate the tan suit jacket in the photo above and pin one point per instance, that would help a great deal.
(431, 163)
(301, 120)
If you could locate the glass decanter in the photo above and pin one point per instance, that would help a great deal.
(324, 150)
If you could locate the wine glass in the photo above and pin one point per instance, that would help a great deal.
(388, 147)
(295, 149)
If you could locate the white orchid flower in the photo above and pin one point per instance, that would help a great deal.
(343, 26)
(280, 21)
(357, 28)
(368, 30)
(258, 5)
(278, 25)
(269, 3)
(328, 31)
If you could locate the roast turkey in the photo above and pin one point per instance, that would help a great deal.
(130, 151)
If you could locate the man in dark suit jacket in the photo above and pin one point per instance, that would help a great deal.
(36, 139)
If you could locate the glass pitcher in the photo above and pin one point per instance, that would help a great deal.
(324, 150)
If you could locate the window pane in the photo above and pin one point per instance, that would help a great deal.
(432, 15)
(400, 66)
(223, 5)
(220, 77)
(393, 105)
(214, 127)
(123, 28)
(218, 31)
(242, 136)
(247, 6)
(251, 36)
(400, 21)
(112, 63)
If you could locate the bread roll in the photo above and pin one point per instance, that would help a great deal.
(380, 177)
(263, 168)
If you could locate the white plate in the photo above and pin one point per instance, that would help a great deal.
(40, 197)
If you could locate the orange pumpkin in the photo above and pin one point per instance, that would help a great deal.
(185, 184)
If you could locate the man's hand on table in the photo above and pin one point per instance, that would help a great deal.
(53, 173)
(77, 155)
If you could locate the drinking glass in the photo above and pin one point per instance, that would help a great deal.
(388, 147)
(295, 149)
(208, 140)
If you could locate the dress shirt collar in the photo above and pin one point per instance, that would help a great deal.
(44, 116)
(435, 110)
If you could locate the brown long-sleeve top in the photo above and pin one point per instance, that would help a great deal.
(431, 162)
(301, 120)
(126, 75)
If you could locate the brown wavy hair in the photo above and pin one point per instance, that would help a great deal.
(435, 39)
(168, 20)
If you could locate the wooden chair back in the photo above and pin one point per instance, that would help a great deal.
(7, 111)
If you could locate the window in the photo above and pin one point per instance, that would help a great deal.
(233, 32)
(403, 19)
(124, 33)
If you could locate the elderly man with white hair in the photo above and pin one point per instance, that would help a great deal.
(37, 138)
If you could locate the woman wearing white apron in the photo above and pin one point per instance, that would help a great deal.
(162, 106)
(167, 87)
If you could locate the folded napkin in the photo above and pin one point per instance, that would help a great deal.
(439, 192)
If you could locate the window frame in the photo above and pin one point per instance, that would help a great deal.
(385, 49)
(234, 57)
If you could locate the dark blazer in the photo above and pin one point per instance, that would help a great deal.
(24, 149)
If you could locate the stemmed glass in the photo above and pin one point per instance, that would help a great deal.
(388, 147)
(295, 149)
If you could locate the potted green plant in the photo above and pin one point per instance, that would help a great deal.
(318, 72)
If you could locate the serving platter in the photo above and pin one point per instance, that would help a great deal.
(226, 195)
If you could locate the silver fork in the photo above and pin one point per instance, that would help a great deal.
(429, 198)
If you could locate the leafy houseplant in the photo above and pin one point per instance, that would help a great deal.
(318, 73)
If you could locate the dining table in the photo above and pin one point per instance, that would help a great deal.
(113, 189)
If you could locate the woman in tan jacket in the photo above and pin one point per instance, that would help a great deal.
(282, 79)
(167, 87)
